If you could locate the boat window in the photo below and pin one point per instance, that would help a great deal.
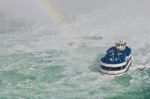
(117, 44)
(113, 68)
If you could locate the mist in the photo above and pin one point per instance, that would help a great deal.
(28, 9)
(39, 60)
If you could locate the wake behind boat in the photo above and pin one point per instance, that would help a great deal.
(117, 59)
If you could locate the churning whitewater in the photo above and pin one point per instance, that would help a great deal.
(40, 62)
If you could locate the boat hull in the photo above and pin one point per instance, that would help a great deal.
(115, 69)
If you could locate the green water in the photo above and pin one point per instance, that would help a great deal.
(43, 65)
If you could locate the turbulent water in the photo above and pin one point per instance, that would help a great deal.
(39, 62)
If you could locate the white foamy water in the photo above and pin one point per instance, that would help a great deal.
(40, 62)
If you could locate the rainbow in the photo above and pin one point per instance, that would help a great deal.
(57, 17)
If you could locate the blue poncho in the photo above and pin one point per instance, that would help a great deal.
(116, 56)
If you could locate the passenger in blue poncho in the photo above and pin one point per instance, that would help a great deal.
(118, 53)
